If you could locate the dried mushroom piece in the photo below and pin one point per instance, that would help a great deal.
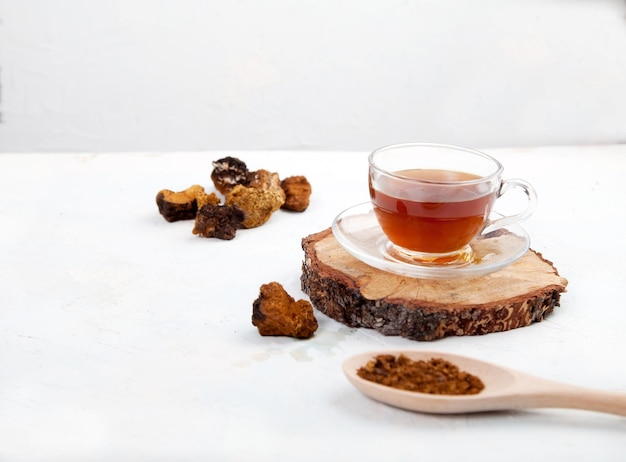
(266, 180)
(202, 198)
(218, 221)
(229, 172)
(257, 204)
(297, 193)
(275, 312)
(182, 205)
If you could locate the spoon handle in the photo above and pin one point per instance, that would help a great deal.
(543, 393)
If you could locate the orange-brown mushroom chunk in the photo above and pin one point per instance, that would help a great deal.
(297, 193)
(182, 205)
(258, 205)
(275, 312)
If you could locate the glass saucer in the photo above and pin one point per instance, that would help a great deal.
(357, 230)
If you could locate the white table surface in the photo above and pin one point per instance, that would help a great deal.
(125, 337)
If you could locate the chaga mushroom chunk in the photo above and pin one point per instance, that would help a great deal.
(258, 205)
(276, 313)
(218, 221)
(182, 205)
(202, 198)
(229, 172)
(297, 193)
(266, 180)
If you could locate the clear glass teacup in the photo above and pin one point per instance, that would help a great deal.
(432, 200)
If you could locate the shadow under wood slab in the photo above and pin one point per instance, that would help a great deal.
(358, 295)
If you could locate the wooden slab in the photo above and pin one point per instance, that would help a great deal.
(358, 295)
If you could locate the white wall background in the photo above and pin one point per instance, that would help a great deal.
(149, 75)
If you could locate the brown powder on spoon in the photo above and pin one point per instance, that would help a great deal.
(435, 376)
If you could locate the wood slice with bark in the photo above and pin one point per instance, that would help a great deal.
(358, 295)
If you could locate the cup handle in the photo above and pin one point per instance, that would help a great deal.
(505, 186)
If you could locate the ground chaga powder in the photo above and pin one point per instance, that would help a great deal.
(435, 376)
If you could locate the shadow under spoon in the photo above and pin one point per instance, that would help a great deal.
(505, 389)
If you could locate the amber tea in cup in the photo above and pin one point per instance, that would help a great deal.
(432, 200)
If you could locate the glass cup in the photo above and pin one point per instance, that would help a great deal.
(432, 200)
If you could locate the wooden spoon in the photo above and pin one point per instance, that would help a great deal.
(504, 389)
